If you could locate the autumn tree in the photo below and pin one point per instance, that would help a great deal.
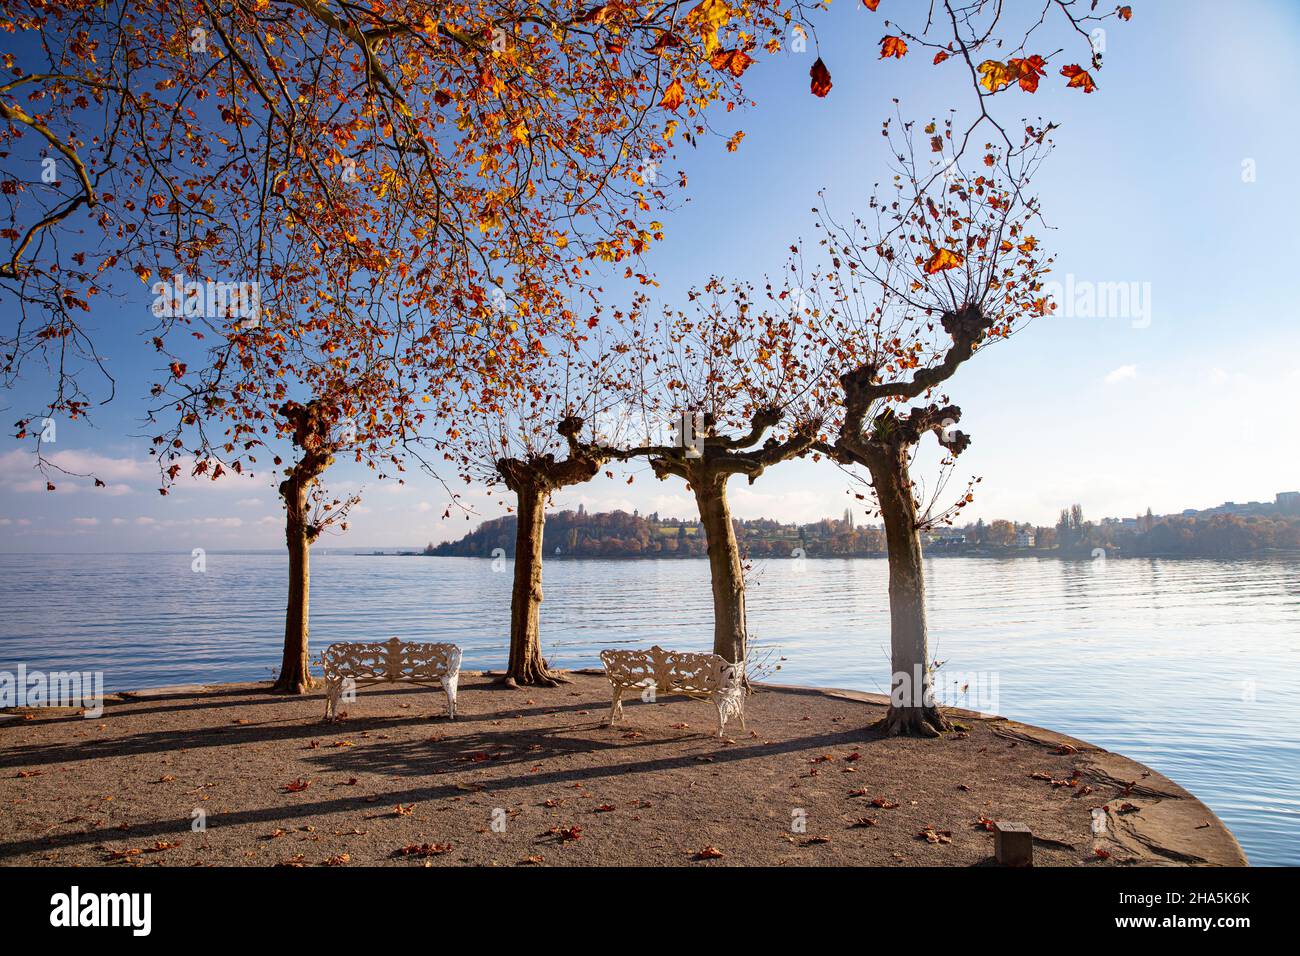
(938, 271)
(740, 386)
(554, 426)
(506, 144)
(531, 136)
(319, 371)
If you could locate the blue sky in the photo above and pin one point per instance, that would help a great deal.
(1189, 405)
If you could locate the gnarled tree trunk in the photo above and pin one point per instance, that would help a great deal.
(311, 428)
(295, 671)
(526, 667)
(912, 710)
(725, 569)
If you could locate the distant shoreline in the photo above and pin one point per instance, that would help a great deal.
(945, 553)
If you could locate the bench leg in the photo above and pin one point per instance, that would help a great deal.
(332, 694)
(729, 705)
(616, 707)
(449, 685)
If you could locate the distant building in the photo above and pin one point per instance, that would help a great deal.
(1025, 539)
(948, 536)
(1288, 502)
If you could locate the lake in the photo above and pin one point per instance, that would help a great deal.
(1190, 666)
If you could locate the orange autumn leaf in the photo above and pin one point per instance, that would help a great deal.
(941, 260)
(1027, 71)
(1125, 13)
(673, 96)
(871, 4)
(940, 57)
(893, 46)
(1079, 77)
(735, 61)
(821, 78)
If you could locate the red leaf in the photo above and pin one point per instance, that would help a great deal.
(1079, 77)
(821, 78)
(893, 46)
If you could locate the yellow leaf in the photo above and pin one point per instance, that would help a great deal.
(995, 75)
(707, 19)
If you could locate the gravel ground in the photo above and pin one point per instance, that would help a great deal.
(534, 777)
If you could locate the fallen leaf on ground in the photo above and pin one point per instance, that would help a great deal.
(424, 849)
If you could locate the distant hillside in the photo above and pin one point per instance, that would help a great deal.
(619, 534)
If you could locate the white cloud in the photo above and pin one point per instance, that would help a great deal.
(1122, 374)
(86, 522)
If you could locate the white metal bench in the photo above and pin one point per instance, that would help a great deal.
(391, 661)
(702, 676)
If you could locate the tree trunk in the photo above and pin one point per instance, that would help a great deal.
(295, 670)
(912, 711)
(725, 569)
(526, 667)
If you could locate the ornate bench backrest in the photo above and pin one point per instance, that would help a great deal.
(389, 660)
(670, 670)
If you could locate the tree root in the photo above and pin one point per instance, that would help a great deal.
(295, 685)
(535, 676)
(913, 722)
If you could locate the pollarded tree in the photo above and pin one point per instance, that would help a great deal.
(318, 371)
(553, 426)
(743, 389)
(948, 267)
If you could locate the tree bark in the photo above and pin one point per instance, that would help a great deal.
(912, 711)
(295, 669)
(725, 569)
(527, 667)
